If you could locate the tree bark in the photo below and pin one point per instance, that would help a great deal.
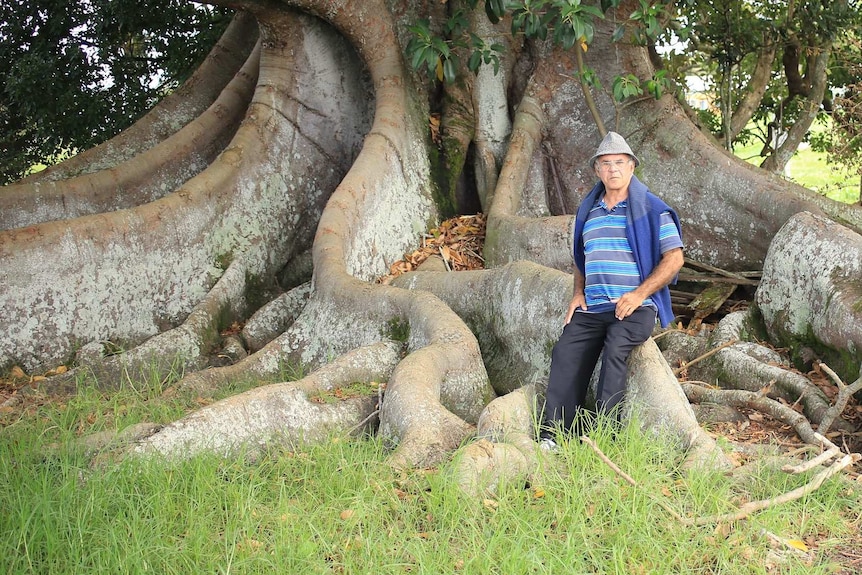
(754, 91)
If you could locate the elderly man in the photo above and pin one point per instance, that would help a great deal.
(627, 249)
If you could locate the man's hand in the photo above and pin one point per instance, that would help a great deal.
(579, 301)
(670, 264)
(627, 304)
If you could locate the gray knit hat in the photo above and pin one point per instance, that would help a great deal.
(613, 143)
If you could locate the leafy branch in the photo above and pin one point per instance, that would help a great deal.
(569, 23)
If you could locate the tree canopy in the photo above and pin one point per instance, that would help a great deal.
(76, 72)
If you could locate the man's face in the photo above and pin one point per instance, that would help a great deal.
(615, 171)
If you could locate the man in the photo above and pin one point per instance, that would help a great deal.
(627, 249)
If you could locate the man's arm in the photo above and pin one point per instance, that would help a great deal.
(669, 265)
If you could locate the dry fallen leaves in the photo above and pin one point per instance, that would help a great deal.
(458, 241)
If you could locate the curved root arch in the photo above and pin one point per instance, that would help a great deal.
(173, 112)
(143, 178)
(128, 275)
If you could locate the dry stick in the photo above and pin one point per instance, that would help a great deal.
(370, 415)
(667, 331)
(812, 463)
(845, 392)
(445, 263)
(753, 506)
(628, 478)
(754, 400)
(710, 353)
(714, 269)
(750, 507)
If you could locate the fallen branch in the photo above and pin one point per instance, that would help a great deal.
(750, 507)
(708, 354)
(754, 506)
(667, 331)
(693, 277)
(713, 269)
(812, 463)
(845, 392)
(754, 400)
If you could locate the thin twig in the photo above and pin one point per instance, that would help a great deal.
(608, 461)
(714, 269)
(445, 263)
(663, 504)
(710, 353)
(812, 463)
(845, 392)
(363, 422)
(370, 415)
(667, 331)
(753, 506)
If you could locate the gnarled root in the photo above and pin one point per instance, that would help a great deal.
(743, 365)
(280, 412)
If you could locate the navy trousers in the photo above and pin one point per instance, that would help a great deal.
(575, 356)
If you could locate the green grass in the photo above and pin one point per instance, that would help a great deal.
(340, 508)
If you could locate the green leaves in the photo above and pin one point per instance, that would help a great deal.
(630, 85)
(495, 9)
(569, 22)
(437, 55)
(626, 86)
(76, 72)
(649, 17)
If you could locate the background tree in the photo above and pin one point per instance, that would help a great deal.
(843, 143)
(768, 62)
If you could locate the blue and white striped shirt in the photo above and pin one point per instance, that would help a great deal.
(611, 270)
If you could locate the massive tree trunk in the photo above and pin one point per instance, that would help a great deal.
(332, 158)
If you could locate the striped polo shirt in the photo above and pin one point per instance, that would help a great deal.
(611, 269)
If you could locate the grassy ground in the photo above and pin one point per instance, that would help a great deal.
(339, 508)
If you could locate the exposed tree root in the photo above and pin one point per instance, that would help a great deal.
(493, 124)
(506, 448)
(517, 320)
(278, 413)
(754, 400)
(123, 278)
(810, 295)
(545, 241)
(189, 264)
(845, 392)
(147, 176)
(275, 318)
(748, 366)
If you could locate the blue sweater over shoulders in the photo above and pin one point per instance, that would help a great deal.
(642, 230)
